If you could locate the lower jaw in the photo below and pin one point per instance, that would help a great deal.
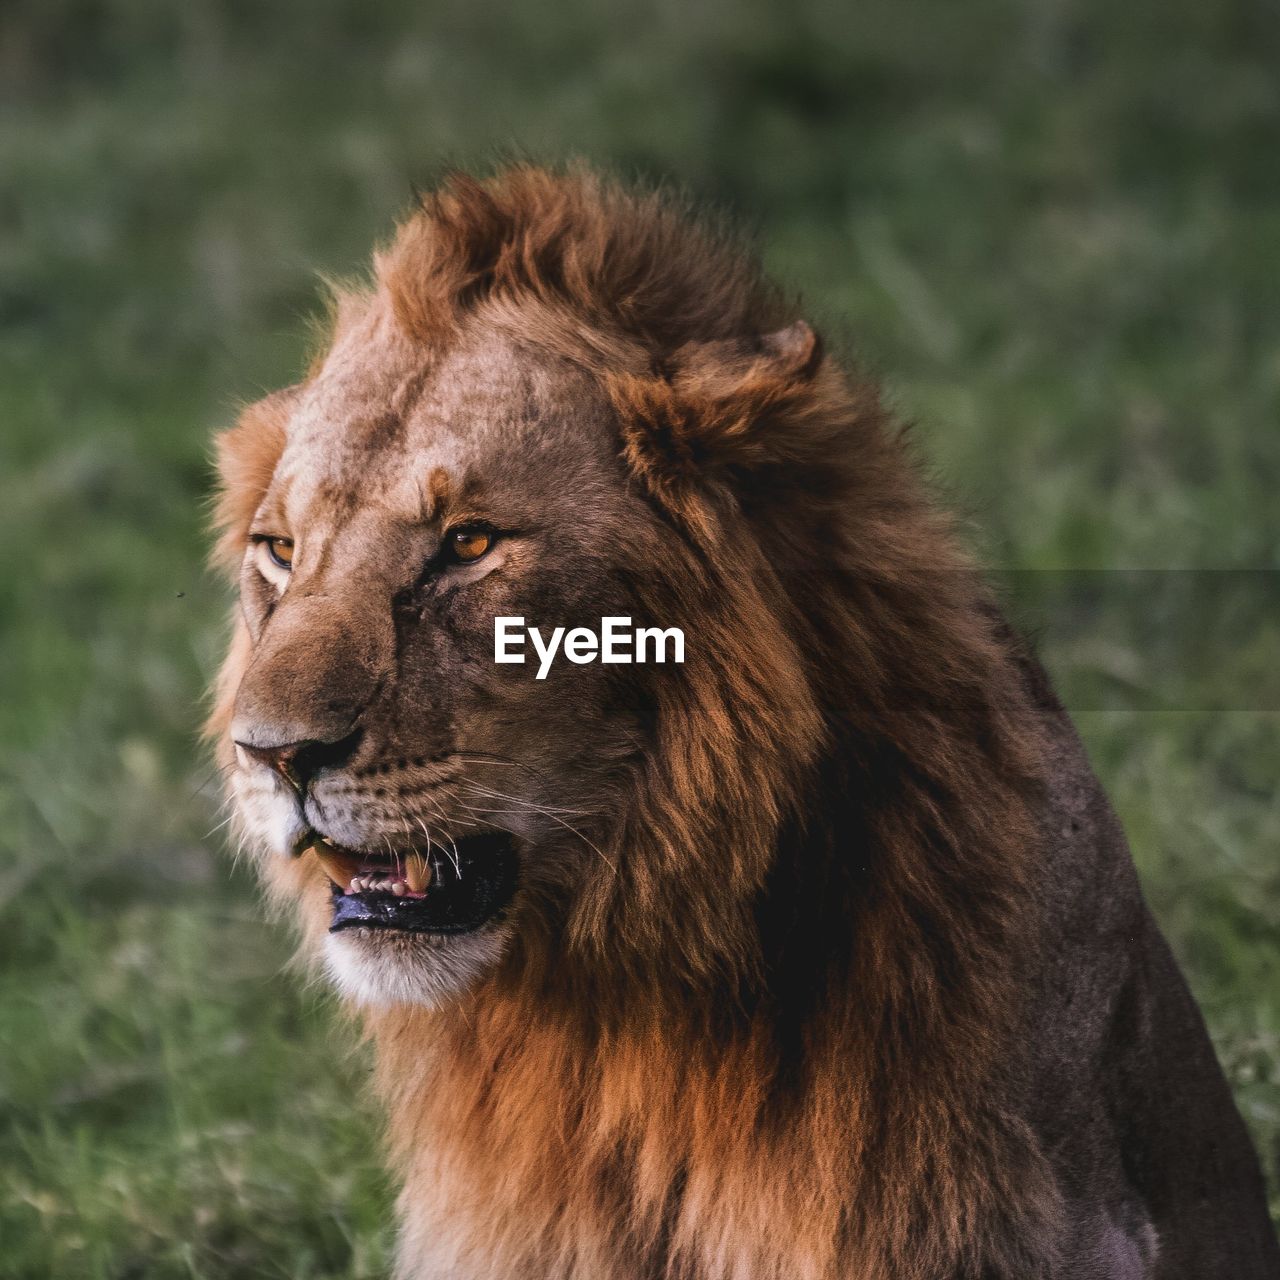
(472, 887)
(392, 968)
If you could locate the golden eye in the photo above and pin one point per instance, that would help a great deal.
(467, 545)
(281, 551)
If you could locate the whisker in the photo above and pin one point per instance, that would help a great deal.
(425, 832)
(561, 822)
(457, 860)
(487, 757)
(218, 826)
(502, 795)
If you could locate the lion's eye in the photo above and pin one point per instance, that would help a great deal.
(281, 551)
(468, 544)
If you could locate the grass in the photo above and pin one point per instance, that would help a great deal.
(1054, 227)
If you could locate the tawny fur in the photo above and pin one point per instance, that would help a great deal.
(765, 1041)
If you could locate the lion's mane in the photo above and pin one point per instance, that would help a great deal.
(769, 1031)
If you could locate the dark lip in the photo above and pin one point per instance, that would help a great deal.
(462, 897)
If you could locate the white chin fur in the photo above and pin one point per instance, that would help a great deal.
(374, 967)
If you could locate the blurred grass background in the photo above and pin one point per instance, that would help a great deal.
(1054, 227)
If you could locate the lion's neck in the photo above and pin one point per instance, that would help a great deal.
(791, 1139)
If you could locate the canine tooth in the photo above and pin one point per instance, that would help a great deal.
(399, 888)
(337, 866)
(416, 873)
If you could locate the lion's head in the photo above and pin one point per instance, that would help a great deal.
(562, 402)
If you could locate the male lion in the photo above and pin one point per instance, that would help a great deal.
(819, 957)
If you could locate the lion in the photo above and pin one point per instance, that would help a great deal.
(818, 957)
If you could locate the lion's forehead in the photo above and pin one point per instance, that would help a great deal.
(383, 432)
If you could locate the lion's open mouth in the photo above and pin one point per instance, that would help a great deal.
(453, 888)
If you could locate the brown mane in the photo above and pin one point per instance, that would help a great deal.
(768, 1034)
(753, 1065)
(617, 260)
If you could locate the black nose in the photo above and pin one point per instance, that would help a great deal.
(299, 762)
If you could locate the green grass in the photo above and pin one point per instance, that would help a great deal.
(1053, 226)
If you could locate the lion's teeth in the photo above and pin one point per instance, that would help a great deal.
(416, 872)
(339, 868)
(346, 874)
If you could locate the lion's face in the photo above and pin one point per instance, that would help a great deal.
(414, 795)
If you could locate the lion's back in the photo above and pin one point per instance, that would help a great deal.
(1123, 1088)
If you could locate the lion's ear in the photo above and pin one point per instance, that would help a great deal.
(723, 410)
(247, 455)
(796, 348)
(733, 367)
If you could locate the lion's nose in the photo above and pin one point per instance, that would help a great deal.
(299, 762)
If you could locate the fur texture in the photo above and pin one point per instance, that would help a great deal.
(761, 1007)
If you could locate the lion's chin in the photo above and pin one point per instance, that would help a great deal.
(382, 967)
